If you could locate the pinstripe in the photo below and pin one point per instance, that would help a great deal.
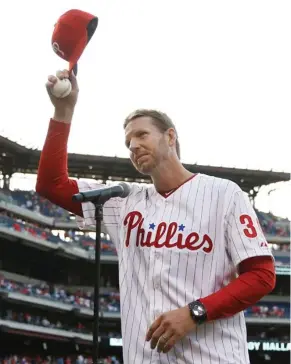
(124, 298)
(190, 187)
(162, 259)
(124, 301)
(202, 271)
(192, 351)
(171, 253)
(215, 231)
(135, 304)
(161, 279)
(170, 218)
(212, 257)
(229, 238)
(195, 265)
(228, 322)
(238, 335)
(218, 246)
(147, 214)
(153, 279)
(125, 273)
(230, 318)
(187, 201)
(153, 287)
(138, 331)
(243, 335)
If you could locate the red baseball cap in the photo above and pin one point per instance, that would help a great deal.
(72, 33)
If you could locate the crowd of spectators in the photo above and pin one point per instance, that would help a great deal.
(69, 238)
(281, 247)
(72, 237)
(109, 302)
(79, 359)
(271, 225)
(275, 310)
(27, 318)
(274, 225)
(34, 202)
(44, 321)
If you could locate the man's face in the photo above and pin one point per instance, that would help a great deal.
(147, 144)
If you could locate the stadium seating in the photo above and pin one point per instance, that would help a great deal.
(32, 201)
(27, 318)
(271, 225)
(81, 240)
(80, 359)
(269, 309)
(109, 302)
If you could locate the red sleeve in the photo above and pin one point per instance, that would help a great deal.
(53, 180)
(257, 278)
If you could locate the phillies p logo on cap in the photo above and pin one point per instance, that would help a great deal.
(71, 34)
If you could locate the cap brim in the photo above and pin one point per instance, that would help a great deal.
(79, 49)
(75, 69)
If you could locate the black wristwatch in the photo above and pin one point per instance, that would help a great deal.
(198, 312)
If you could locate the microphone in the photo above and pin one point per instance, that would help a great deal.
(103, 194)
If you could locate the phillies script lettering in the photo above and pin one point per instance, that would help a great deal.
(164, 237)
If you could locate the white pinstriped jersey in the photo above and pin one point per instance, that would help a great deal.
(174, 250)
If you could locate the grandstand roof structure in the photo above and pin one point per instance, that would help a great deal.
(17, 158)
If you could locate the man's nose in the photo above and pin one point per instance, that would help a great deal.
(134, 145)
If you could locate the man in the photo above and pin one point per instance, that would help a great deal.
(191, 253)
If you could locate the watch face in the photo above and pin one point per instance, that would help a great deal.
(198, 310)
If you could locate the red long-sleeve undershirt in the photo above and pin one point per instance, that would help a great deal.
(256, 275)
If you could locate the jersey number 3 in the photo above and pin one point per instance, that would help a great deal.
(250, 230)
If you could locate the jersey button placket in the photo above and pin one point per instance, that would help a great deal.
(156, 261)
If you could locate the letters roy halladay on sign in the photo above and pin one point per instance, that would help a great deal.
(268, 346)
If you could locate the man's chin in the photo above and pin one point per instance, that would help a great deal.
(145, 169)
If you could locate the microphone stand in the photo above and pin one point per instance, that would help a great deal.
(98, 203)
(98, 218)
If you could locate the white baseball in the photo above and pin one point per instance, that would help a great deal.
(62, 88)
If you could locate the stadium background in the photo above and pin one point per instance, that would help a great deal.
(46, 269)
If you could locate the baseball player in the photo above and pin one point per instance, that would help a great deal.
(191, 252)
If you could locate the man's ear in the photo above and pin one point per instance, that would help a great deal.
(172, 137)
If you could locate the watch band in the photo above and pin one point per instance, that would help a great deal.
(198, 312)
